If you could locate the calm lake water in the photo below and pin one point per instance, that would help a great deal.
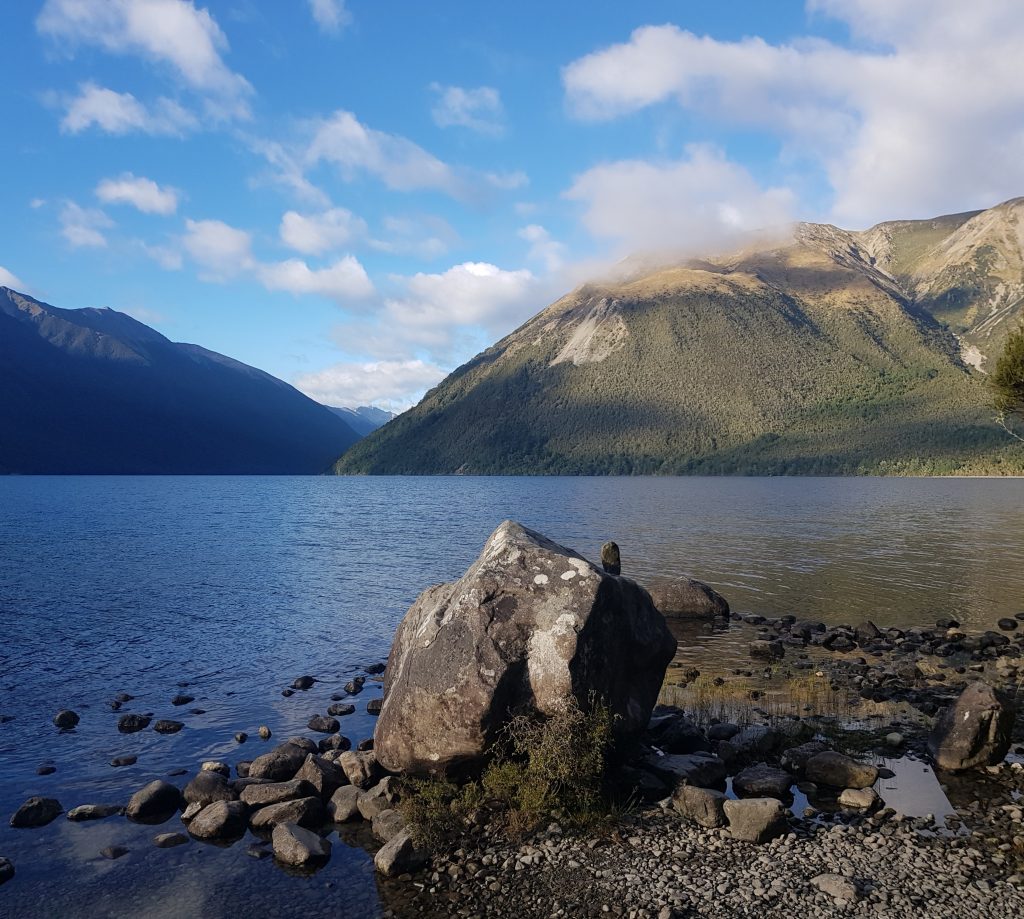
(235, 586)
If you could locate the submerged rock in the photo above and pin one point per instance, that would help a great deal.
(527, 626)
(131, 724)
(169, 840)
(114, 852)
(973, 731)
(6, 870)
(299, 847)
(94, 812)
(689, 599)
(66, 719)
(36, 812)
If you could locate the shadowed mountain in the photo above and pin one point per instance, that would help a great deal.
(365, 419)
(825, 352)
(95, 391)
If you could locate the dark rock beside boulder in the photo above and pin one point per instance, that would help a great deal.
(155, 803)
(221, 821)
(973, 731)
(529, 625)
(36, 812)
(685, 598)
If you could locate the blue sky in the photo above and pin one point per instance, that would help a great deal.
(358, 196)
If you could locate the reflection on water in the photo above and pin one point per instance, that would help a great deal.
(235, 586)
(914, 790)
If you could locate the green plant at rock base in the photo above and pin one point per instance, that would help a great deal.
(553, 767)
(1007, 382)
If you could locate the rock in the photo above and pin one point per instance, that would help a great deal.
(303, 682)
(124, 761)
(755, 819)
(387, 824)
(365, 745)
(215, 765)
(376, 669)
(839, 771)
(208, 787)
(303, 743)
(762, 781)
(94, 812)
(169, 840)
(755, 741)
(340, 709)
(36, 812)
(221, 820)
(611, 559)
(354, 687)
(974, 731)
(840, 888)
(190, 812)
(280, 764)
(865, 632)
(399, 856)
(299, 847)
(66, 719)
(344, 804)
(701, 769)
(155, 803)
(276, 792)
(325, 777)
(723, 731)
(361, 769)
(689, 599)
(1007, 625)
(679, 735)
(308, 812)
(163, 726)
(6, 870)
(46, 769)
(859, 798)
(113, 852)
(795, 758)
(131, 724)
(241, 737)
(371, 805)
(894, 739)
(701, 805)
(242, 769)
(181, 699)
(374, 706)
(767, 650)
(529, 624)
(264, 732)
(324, 724)
(337, 742)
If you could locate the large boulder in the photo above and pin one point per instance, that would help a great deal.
(973, 731)
(529, 625)
(688, 599)
(839, 771)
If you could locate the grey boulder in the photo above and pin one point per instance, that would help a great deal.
(528, 626)
(361, 769)
(839, 771)
(36, 812)
(207, 787)
(704, 806)
(220, 821)
(155, 803)
(307, 812)
(400, 855)
(281, 763)
(299, 847)
(755, 819)
(344, 804)
(762, 781)
(94, 812)
(276, 792)
(325, 777)
(974, 731)
(687, 598)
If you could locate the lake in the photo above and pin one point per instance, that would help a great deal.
(229, 588)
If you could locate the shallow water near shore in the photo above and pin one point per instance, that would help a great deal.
(235, 586)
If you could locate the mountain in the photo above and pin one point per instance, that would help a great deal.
(824, 352)
(365, 419)
(95, 391)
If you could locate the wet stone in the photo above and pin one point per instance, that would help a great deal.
(165, 726)
(131, 723)
(94, 812)
(169, 840)
(66, 719)
(36, 812)
(124, 761)
(6, 870)
(114, 852)
(299, 847)
(323, 724)
(340, 709)
(182, 699)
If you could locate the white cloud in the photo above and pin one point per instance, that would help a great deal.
(330, 15)
(222, 251)
(314, 234)
(167, 257)
(141, 193)
(9, 279)
(354, 149)
(170, 32)
(122, 113)
(343, 281)
(394, 385)
(543, 248)
(695, 203)
(82, 227)
(479, 109)
(925, 119)
(424, 236)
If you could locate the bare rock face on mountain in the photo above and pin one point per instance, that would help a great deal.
(529, 625)
(974, 731)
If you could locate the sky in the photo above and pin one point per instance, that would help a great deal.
(357, 196)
